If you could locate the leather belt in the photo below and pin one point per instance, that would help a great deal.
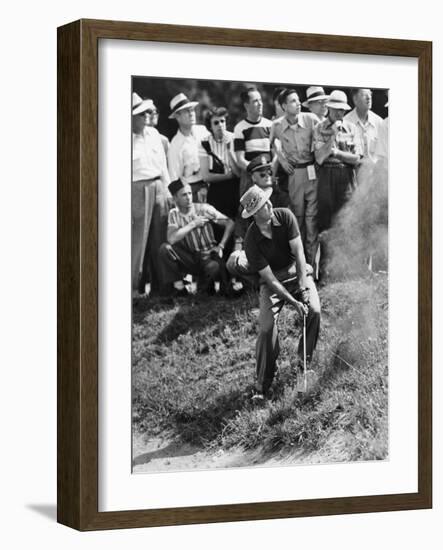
(336, 165)
(301, 164)
(148, 180)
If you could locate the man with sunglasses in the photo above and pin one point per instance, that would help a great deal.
(260, 171)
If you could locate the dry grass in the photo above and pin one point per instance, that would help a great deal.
(193, 372)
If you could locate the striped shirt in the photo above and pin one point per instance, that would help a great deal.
(222, 149)
(253, 137)
(200, 239)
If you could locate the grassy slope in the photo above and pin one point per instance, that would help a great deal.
(193, 369)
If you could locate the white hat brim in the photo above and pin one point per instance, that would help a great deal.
(337, 105)
(144, 106)
(185, 106)
(267, 193)
(317, 98)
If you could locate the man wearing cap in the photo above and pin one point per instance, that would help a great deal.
(274, 251)
(149, 195)
(183, 153)
(316, 102)
(338, 153)
(191, 246)
(260, 172)
(292, 136)
(368, 127)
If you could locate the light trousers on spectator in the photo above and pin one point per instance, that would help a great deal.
(303, 203)
(149, 223)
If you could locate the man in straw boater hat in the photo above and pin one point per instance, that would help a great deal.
(183, 153)
(337, 153)
(191, 246)
(274, 251)
(149, 196)
(316, 102)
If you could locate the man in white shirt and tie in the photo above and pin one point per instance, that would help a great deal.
(183, 153)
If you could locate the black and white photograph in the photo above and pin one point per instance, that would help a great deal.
(259, 267)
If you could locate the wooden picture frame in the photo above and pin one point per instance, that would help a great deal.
(77, 456)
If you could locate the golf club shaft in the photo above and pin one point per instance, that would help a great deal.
(304, 351)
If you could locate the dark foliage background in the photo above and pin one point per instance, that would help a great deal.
(225, 93)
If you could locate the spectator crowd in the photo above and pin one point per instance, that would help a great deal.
(189, 195)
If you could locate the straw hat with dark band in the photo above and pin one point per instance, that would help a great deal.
(254, 198)
(139, 105)
(180, 102)
(314, 93)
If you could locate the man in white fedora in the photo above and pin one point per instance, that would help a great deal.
(316, 102)
(368, 128)
(274, 251)
(337, 153)
(183, 153)
(150, 179)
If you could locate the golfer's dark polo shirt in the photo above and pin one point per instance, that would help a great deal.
(274, 252)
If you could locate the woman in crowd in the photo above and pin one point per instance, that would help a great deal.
(218, 164)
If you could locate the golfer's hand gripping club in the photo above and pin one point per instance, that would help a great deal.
(302, 309)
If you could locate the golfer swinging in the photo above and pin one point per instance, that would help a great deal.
(273, 249)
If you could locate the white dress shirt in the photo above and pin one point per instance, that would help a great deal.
(148, 156)
(183, 155)
(367, 132)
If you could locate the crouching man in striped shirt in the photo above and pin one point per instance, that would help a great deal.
(191, 246)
